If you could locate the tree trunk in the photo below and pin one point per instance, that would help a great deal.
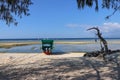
(104, 42)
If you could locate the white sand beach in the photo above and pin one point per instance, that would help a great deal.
(67, 66)
(9, 58)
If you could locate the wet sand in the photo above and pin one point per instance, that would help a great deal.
(14, 44)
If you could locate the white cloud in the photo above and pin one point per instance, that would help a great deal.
(77, 25)
(73, 25)
(105, 27)
(110, 26)
(109, 29)
(113, 25)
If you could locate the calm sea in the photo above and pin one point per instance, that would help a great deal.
(114, 43)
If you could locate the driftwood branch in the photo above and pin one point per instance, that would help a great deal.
(103, 41)
(104, 49)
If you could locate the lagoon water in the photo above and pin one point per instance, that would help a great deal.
(60, 47)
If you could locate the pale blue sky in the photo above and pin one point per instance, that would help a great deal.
(61, 19)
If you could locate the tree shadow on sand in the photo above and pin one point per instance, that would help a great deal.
(115, 59)
(63, 69)
(59, 53)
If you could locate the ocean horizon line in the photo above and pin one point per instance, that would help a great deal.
(50, 38)
(22, 39)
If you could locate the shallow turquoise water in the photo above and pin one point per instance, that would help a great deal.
(62, 47)
(59, 48)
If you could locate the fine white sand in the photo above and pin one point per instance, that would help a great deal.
(67, 66)
(8, 58)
